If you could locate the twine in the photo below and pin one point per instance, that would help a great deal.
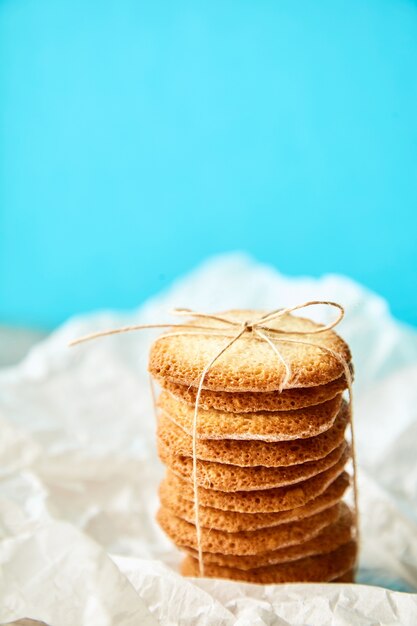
(233, 330)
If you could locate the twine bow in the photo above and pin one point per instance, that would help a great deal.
(233, 330)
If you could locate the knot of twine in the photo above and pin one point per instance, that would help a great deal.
(233, 330)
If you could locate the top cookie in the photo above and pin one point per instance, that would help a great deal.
(250, 364)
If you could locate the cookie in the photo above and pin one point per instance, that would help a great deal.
(249, 402)
(335, 565)
(183, 534)
(250, 364)
(328, 540)
(262, 426)
(227, 478)
(263, 501)
(252, 453)
(231, 521)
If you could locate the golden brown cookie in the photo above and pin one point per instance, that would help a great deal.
(262, 426)
(321, 568)
(250, 364)
(252, 453)
(233, 478)
(231, 521)
(328, 540)
(183, 534)
(263, 501)
(249, 402)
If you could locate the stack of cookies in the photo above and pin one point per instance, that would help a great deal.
(270, 467)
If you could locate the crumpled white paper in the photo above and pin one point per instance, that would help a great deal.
(79, 472)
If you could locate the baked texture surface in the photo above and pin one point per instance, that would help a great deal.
(249, 401)
(250, 364)
(227, 478)
(231, 521)
(252, 453)
(321, 568)
(328, 540)
(183, 534)
(260, 425)
(264, 500)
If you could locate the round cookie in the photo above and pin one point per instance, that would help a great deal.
(336, 565)
(328, 540)
(221, 477)
(262, 426)
(252, 453)
(263, 501)
(250, 364)
(249, 402)
(231, 521)
(184, 534)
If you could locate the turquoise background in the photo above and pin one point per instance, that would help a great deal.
(137, 138)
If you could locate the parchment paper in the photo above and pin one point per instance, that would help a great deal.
(79, 472)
